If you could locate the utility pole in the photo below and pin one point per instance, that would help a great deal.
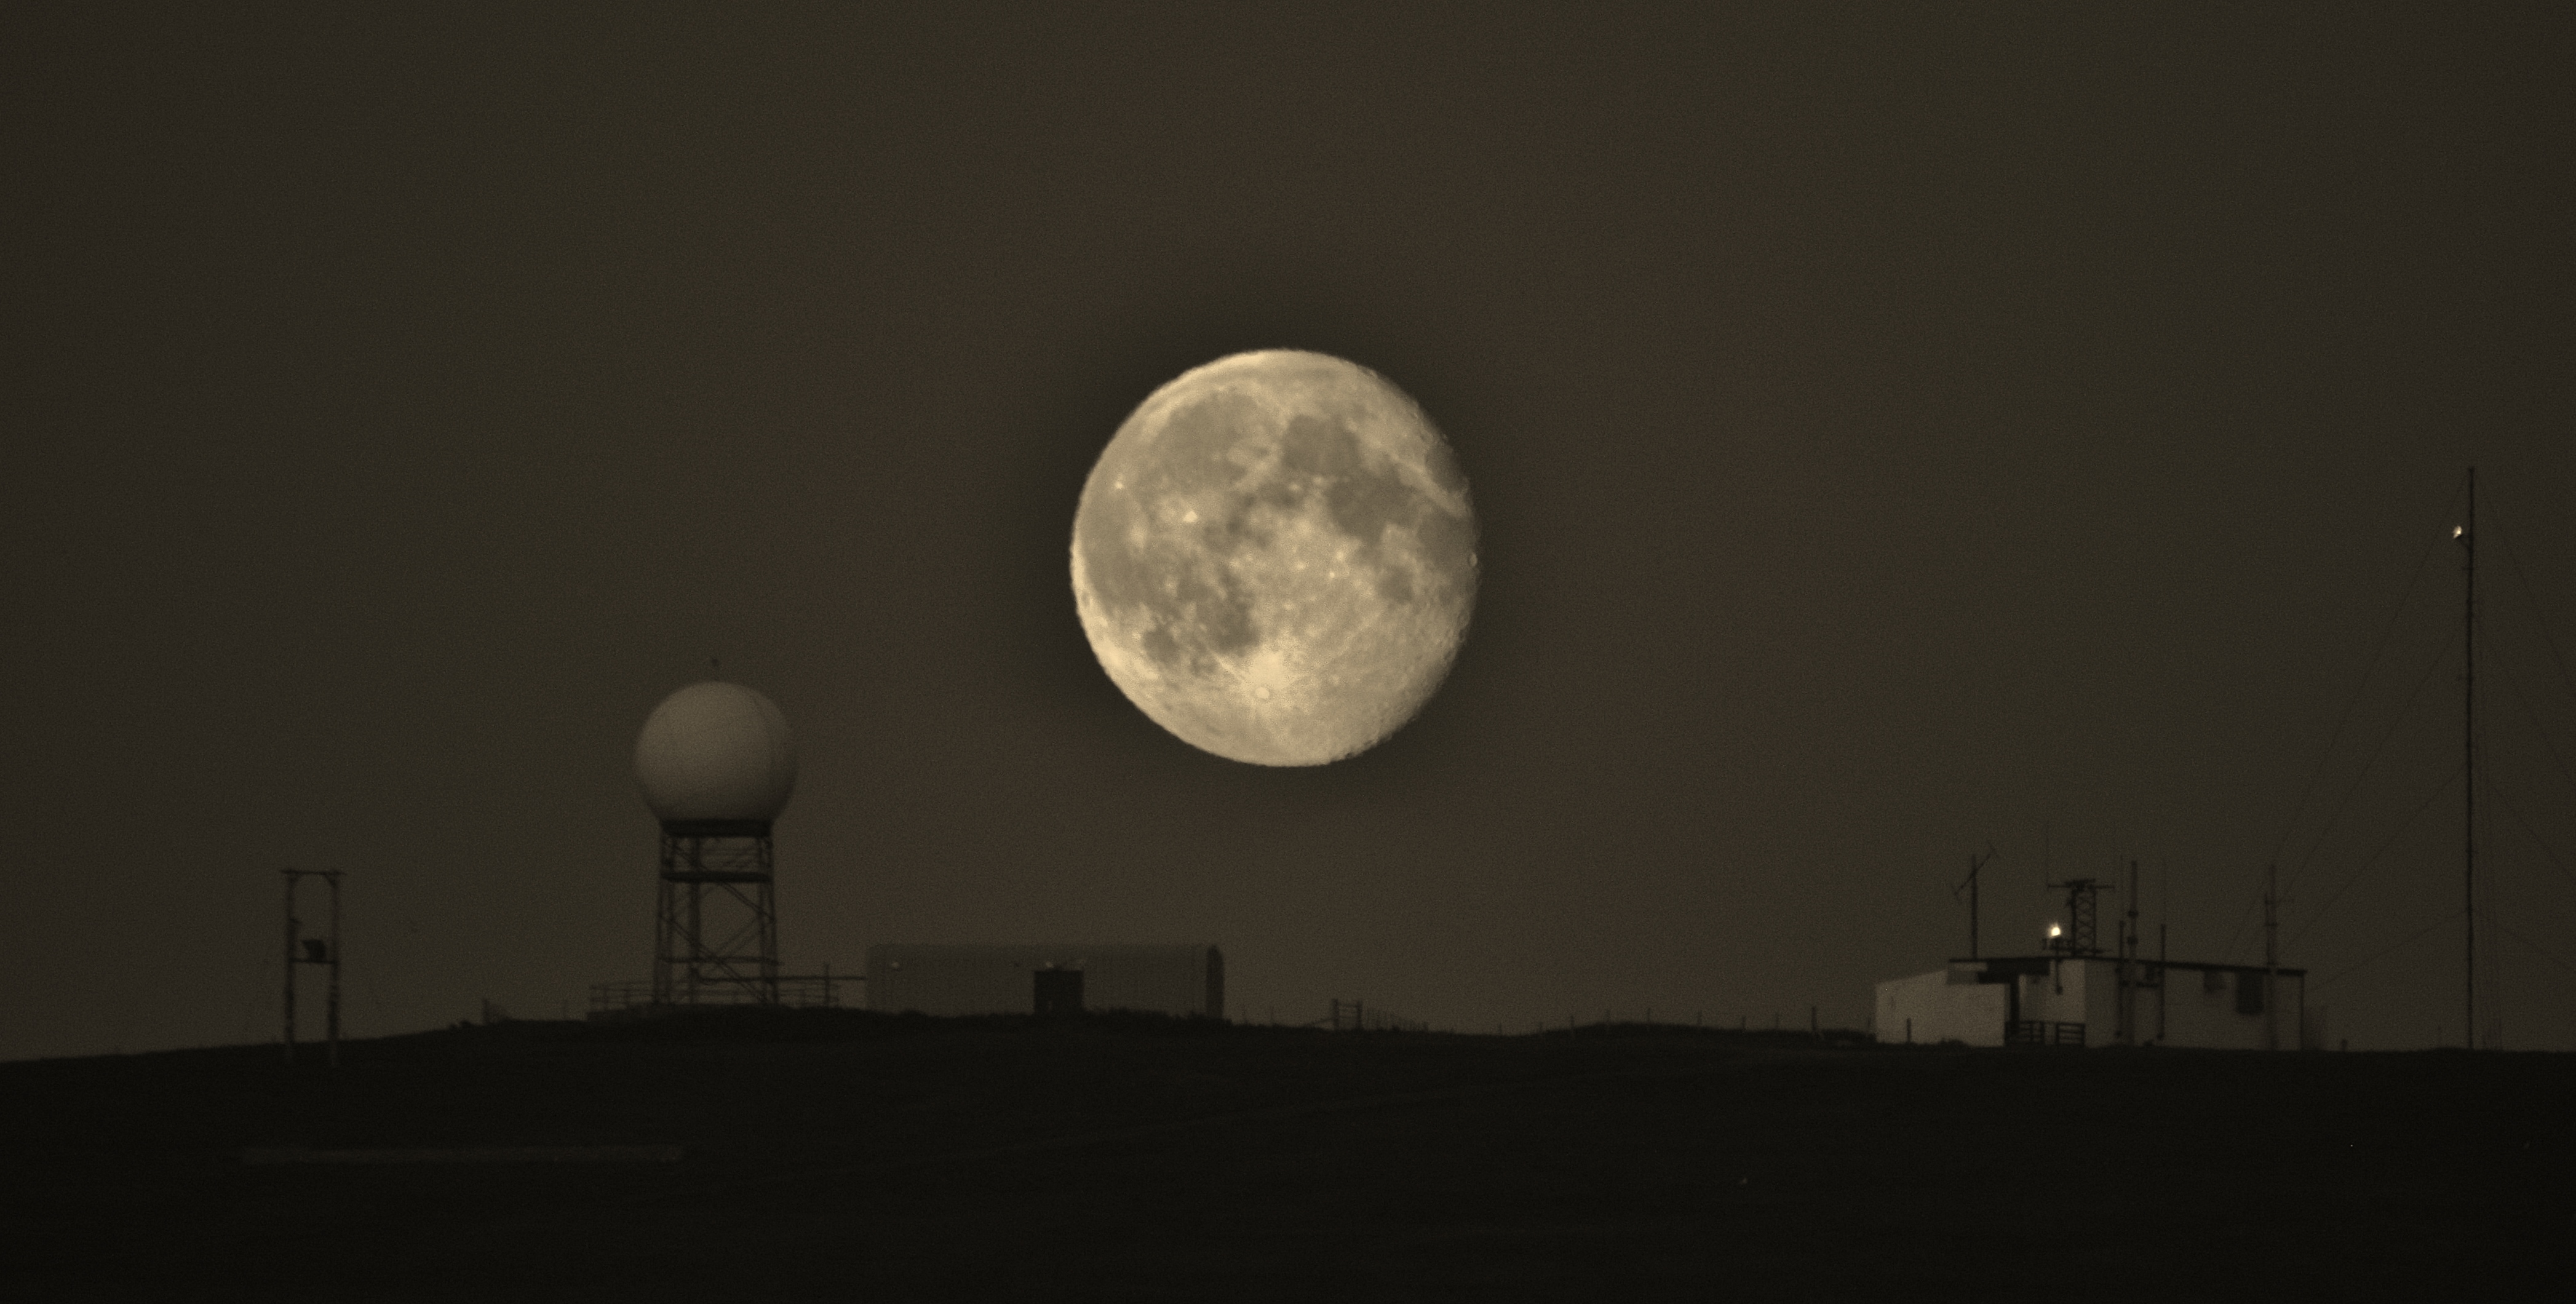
(2467, 534)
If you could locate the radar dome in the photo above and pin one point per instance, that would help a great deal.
(715, 751)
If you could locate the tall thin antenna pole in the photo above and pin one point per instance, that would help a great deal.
(2164, 922)
(2130, 951)
(2163, 977)
(2469, 749)
(289, 967)
(2272, 957)
(332, 1017)
(1975, 863)
(2129, 965)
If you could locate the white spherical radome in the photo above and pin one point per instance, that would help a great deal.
(715, 751)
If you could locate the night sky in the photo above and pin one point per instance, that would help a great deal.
(1893, 432)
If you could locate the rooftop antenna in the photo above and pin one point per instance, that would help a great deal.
(313, 950)
(1975, 863)
(2467, 533)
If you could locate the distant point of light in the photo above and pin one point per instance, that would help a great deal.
(2458, 530)
(2052, 930)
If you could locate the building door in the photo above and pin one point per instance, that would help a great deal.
(1059, 991)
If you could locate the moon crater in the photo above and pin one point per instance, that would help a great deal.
(1275, 558)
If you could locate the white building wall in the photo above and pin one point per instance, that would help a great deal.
(2061, 995)
(1944, 1005)
(2200, 1010)
(2186, 1010)
(954, 980)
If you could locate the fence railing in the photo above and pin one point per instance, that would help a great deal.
(1350, 1016)
(1357, 1016)
(2042, 1032)
(802, 992)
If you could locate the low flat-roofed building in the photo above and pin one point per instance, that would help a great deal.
(2100, 1000)
(1046, 979)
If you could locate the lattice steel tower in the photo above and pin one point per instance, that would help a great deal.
(717, 766)
(2081, 934)
(731, 949)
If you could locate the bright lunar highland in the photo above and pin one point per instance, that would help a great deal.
(1275, 558)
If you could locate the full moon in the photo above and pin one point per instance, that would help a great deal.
(1275, 558)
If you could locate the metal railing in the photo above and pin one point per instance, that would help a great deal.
(803, 992)
(2042, 1032)
(1356, 1016)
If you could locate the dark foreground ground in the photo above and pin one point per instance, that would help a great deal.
(839, 1156)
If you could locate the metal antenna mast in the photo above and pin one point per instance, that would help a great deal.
(2272, 957)
(313, 950)
(2128, 968)
(2467, 533)
(1975, 863)
(2129, 942)
(2080, 933)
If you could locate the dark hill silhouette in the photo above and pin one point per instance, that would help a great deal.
(831, 1154)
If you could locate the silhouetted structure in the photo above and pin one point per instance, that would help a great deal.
(2467, 534)
(1046, 980)
(730, 865)
(1360, 1016)
(2095, 1000)
(323, 951)
(716, 766)
(2081, 934)
(1969, 886)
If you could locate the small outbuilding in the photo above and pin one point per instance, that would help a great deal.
(1066, 979)
(2100, 1000)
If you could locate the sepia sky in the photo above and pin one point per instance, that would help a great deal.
(1893, 433)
